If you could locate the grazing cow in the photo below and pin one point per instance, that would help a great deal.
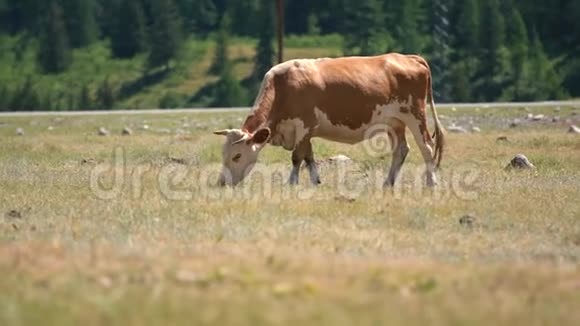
(338, 99)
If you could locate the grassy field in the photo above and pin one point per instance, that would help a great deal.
(128, 230)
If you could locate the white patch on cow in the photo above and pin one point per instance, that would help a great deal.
(289, 133)
(381, 117)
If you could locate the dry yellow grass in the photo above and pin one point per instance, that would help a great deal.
(168, 248)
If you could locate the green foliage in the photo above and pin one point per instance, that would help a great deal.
(313, 28)
(105, 96)
(85, 102)
(166, 34)
(495, 56)
(54, 55)
(220, 60)
(364, 27)
(200, 16)
(129, 35)
(243, 14)
(171, 100)
(5, 98)
(409, 31)
(26, 97)
(465, 18)
(228, 91)
(80, 21)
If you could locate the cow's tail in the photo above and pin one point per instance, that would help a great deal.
(439, 133)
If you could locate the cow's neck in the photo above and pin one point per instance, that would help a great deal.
(262, 110)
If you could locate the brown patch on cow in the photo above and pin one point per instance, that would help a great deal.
(404, 109)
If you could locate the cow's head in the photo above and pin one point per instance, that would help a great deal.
(240, 153)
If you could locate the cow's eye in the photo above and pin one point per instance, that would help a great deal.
(237, 157)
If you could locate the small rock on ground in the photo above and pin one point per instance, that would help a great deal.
(515, 123)
(340, 158)
(574, 130)
(345, 199)
(103, 132)
(14, 214)
(457, 129)
(538, 117)
(520, 161)
(467, 220)
(127, 131)
(475, 129)
(20, 131)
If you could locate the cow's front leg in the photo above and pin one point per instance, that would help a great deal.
(304, 153)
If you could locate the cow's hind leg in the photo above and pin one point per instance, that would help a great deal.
(424, 142)
(400, 150)
(303, 152)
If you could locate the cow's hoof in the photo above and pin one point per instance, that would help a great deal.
(315, 182)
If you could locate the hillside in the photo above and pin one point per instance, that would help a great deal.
(133, 88)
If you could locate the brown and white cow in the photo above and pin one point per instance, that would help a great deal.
(338, 99)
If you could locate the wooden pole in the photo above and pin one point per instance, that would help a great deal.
(280, 23)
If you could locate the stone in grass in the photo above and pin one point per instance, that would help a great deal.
(127, 131)
(103, 132)
(340, 158)
(521, 162)
(467, 220)
(19, 131)
(515, 123)
(538, 117)
(457, 129)
(574, 130)
(475, 129)
(13, 214)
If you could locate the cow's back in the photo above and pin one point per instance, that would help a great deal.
(354, 87)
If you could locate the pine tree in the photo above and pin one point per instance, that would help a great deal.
(85, 102)
(5, 98)
(228, 92)
(460, 82)
(545, 83)
(364, 26)
(494, 68)
(166, 34)
(465, 18)
(105, 96)
(409, 32)
(265, 50)
(26, 97)
(71, 102)
(221, 53)
(517, 39)
(313, 28)
(128, 34)
(80, 22)
(243, 13)
(465, 36)
(54, 55)
(199, 16)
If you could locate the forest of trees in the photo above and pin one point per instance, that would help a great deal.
(480, 50)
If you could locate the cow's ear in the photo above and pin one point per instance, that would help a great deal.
(223, 132)
(261, 136)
